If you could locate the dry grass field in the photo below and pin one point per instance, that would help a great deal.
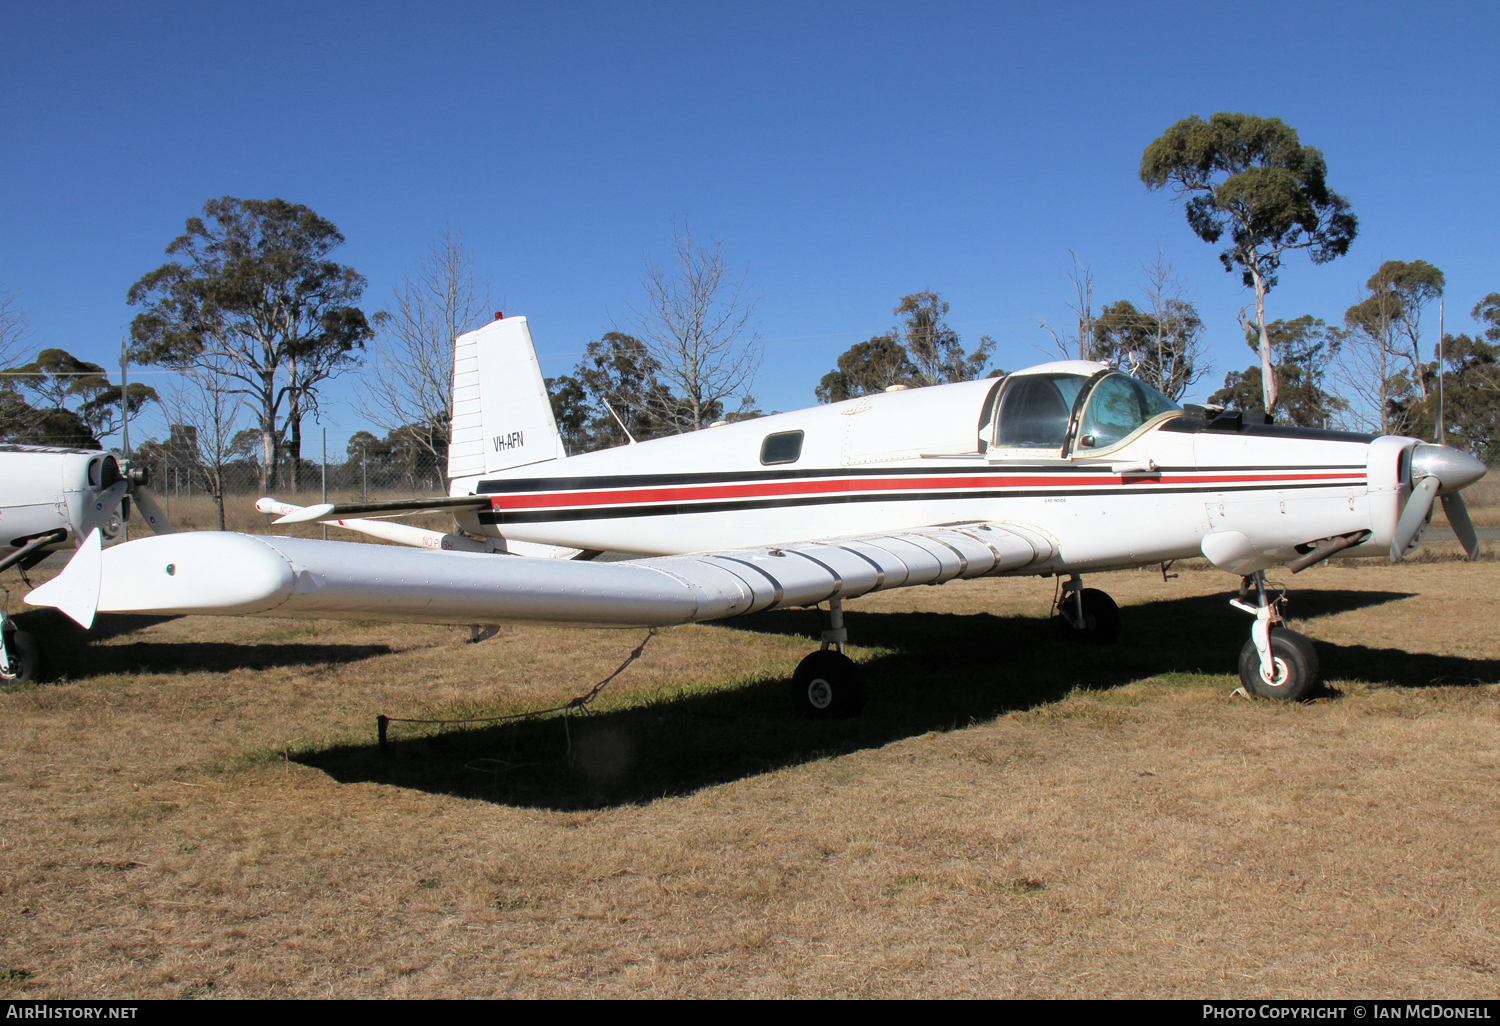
(195, 807)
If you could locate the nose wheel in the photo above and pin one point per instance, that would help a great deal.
(1294, 667)
(1275, 662)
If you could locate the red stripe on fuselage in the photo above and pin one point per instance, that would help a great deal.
(836, 486)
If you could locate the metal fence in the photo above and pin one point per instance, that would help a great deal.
(362, 475)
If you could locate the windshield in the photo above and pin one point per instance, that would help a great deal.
(1035, 408)
(1118, 405)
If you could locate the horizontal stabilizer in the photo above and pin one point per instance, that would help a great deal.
(417, 537)
(389, 507)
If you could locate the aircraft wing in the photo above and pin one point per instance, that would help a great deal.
(255, 575)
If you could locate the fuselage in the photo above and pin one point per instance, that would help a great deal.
(967, 453)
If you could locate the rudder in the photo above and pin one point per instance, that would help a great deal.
(502, 415)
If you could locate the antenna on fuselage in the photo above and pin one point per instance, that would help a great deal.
(618, 421)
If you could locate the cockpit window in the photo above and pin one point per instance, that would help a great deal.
(1035, 408)
(1119, 405)
(785, 447)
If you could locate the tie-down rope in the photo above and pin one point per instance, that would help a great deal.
(382, 722)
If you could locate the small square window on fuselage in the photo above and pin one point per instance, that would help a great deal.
(785, 447)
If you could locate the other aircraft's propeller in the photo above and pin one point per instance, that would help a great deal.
(151, 511)
(1438, 470)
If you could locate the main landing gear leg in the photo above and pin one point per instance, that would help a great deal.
(827, 683)
(1087, 615)
(1275, 662)
(20, 658)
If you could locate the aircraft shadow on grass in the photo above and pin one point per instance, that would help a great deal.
(68, 654)
(938, 672)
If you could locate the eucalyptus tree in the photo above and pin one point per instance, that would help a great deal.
(67, 401)
(255, 296)
(923, 349)
(1305, 349)
(1252, 179)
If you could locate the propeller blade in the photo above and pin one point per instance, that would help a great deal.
(1458, 518)
(1414, 516)
(151, 511)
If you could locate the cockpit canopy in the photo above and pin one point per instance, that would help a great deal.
(1036, 411)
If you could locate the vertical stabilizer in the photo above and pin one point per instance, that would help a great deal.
(502, 417)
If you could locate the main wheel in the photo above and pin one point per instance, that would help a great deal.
(1101, 618)
(828, 684)
(1296, 667)
(24, 656)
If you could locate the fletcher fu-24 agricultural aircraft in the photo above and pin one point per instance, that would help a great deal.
(1061, 469)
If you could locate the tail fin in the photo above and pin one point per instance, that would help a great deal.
(502, 417)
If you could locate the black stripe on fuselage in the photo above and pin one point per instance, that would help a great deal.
(501, 517)
(502, 486)
(1188, 425)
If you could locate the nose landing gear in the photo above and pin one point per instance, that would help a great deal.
(1275, 662)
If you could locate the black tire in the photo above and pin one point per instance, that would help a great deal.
(1296, 667)
(827, 684)
(24, 656)
(1101, 618)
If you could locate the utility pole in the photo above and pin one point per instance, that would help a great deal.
(124, 421)
(325, 476)
(1441, 434)
(124, 398)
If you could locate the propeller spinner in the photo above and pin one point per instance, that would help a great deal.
(1438, 470)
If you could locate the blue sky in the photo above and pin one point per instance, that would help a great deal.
(846, 154)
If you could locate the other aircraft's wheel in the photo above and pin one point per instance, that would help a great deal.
(25, 658)
(1101, 618)
(1296, 667)
(828, 684)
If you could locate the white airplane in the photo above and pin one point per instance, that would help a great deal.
(51, 499)
(1063, 469)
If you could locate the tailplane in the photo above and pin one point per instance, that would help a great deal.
(502, 417)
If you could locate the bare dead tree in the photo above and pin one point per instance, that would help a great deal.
(1082, 305)
(15, 328)
(695, 323)
(209, 398)
(1176, 330)
(1365, 367)
(413, 352)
